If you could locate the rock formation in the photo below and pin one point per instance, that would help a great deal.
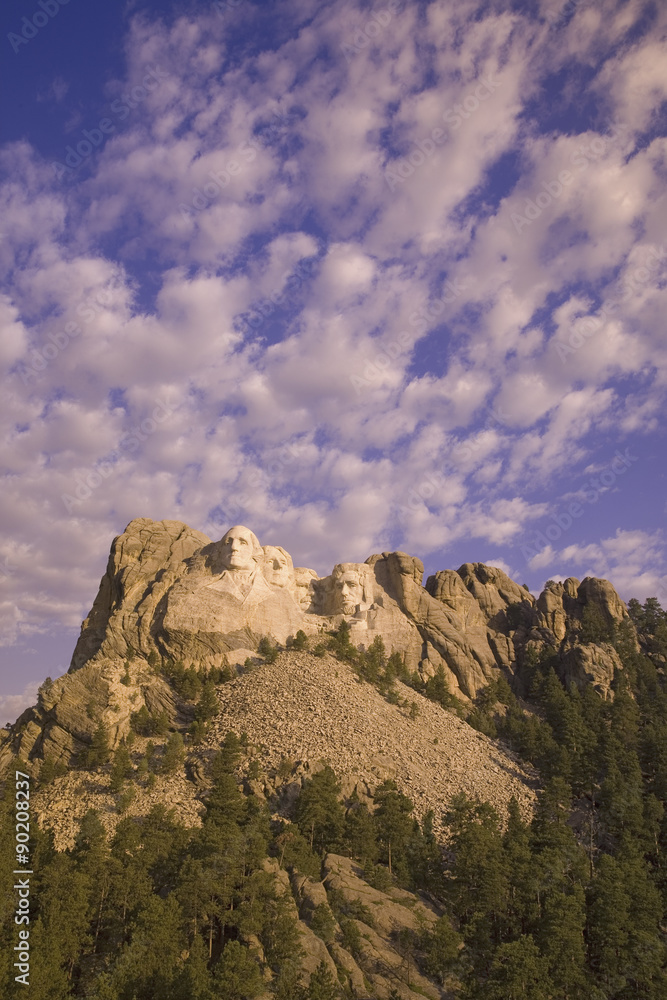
(171, 594)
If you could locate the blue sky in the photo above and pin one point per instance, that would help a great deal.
(360, 277)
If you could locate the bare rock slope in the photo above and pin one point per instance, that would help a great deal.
(310, 711)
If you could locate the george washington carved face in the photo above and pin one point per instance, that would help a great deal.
(239, 549)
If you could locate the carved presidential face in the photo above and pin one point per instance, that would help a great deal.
(348, 590)
(278, 568)
(238, 549)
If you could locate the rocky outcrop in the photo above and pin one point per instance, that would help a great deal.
(590, 664)
(492, 589)
(67, 713)
(171, 594)
(461, 649)
(390, 915)
(601, 593)
(143, 564)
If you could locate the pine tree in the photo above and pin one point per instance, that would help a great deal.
(149, 965)
(393, 821)
(322, 985)
(194, 981)
(319, 814)
(360, 833)
(174, 754)
(442, 947)
(267, 650)
(300, 640)
(227, 759)
(160, 724)
(561, 940)
(595, 627)
(226, 806)
(121, 769)
(518, 972)
(479, 886)
(99, 752)
(437, 689)
(608, 925)
(207, 707)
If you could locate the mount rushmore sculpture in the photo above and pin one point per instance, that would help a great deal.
(170, 589)
(171, 594)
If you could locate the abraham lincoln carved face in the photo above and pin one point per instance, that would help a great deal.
(351, 587)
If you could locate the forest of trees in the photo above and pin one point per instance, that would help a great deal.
(568, 906)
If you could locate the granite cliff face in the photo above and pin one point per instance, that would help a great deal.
(170, 594)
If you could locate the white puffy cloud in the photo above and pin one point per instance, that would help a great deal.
(12, 705)
(633, 560)
(409, 386)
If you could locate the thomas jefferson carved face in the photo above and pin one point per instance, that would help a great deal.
(239, 549)
(278, 567)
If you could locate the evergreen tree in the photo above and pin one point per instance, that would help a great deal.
(267, 650)
(561, 940)
(341, 645)
(319, 814)
(360, 832)
(99, 752)
(65, 912)
(149, 965)
(225, 805)
(518, 972)
(207, 707)
(50, 770)
(141, 722)
(194, 981)
(437, 689)
(174, 754)
(479, 886)
(322, 985)
(393, 819)
(372, 663)
(121, 769)
(227, 759)
(441, 948)
(595, 627)
(300, 641)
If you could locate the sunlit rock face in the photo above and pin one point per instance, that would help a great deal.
(232, 599)
(170, 593)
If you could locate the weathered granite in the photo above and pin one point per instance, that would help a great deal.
(171, 594)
